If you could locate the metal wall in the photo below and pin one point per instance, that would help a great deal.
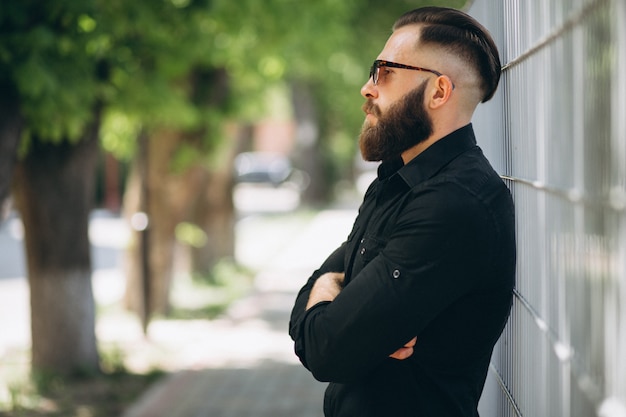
(556, 131)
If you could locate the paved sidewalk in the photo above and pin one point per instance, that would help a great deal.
(243, 363)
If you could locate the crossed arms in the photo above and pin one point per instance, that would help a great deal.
(328, 286)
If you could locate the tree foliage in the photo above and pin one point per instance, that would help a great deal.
(136, 56)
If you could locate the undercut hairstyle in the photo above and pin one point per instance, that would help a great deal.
(460, 34)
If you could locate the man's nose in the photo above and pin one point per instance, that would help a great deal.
(369, 90)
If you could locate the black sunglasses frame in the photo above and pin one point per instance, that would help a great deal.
(374, 70)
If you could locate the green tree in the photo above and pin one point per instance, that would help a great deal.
(59, 99)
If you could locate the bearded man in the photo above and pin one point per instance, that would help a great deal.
(402, 318)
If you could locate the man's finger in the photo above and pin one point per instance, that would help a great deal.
(411, 342)
(402, 353)
(405, 351)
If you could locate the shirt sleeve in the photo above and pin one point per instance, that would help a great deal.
(431, 258)
(334, 263)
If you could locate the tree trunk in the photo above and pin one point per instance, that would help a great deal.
(213, 209)
(215, 215)
(55, 192)
(164, 197)
(309, 155)
(10, 127)
(197, 195)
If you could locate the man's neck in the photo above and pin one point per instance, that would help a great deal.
(438, 134)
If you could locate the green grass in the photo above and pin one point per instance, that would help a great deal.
(208, 296)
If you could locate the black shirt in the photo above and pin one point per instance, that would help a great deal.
(431, 254)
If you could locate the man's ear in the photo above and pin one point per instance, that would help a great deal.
(441, 92)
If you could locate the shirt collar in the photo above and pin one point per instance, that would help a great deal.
(431, 160)
(390, 167)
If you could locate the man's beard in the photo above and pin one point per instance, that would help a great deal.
(403, 126)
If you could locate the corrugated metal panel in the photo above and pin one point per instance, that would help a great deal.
(556, 131)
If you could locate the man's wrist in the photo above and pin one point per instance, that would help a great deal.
(326, 288)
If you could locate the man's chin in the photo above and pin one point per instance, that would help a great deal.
(368, 155)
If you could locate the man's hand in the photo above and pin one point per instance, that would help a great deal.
(405, 351)
(326, 288)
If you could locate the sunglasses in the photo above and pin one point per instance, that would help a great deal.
(375, 69)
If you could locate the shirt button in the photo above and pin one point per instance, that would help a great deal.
(396, 274)
(362, 251)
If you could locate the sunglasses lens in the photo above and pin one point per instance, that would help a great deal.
(374, 73)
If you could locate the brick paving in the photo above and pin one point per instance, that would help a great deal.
(277, 390)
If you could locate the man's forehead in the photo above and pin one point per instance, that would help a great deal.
(401, 44)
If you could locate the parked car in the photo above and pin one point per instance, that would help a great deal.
(262, 167)
(266, 182)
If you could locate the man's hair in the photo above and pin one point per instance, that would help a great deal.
(459, 34)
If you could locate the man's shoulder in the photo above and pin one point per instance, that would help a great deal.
(468, 184)
(473, 171)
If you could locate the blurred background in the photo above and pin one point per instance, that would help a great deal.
(172, 171)
(155, 157)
